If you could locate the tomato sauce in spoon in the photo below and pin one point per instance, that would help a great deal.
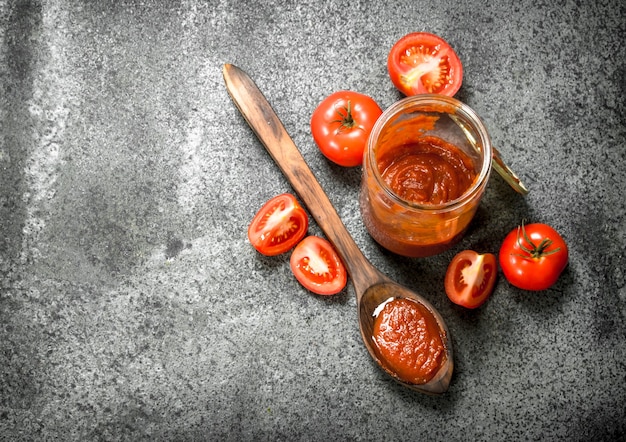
(409, 340)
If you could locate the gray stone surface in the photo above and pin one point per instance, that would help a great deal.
(132, 306)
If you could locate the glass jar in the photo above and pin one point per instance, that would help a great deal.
(418, 229)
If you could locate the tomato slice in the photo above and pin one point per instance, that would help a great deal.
(316, 265)
(278, 226)
(470, 278)
(424, 63)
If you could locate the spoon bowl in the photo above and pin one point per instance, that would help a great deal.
(372, 288)
(369, 302)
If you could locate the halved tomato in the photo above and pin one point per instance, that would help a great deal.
(316, 265)
(424, 63)
(470, 278)
(278, 226)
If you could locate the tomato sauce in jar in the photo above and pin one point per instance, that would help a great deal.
(425, 169)
(428, 171)
(409, 340)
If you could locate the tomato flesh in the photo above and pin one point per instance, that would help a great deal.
(424, 63)
(533, 256)
(278, 226)
(470, 278)
(341, 125)
(316, 265)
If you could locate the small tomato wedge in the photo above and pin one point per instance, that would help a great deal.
(470, 278)
(316, 265)
(533, 256)
(341, 124)
(278, 226)
(424, 63)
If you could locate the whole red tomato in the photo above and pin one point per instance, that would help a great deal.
(341, 125)
(533, 256)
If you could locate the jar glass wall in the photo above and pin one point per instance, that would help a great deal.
(412, 227)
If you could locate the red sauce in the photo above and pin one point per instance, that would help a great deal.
(409, 340)
(427, 171)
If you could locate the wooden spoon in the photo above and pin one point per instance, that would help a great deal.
(371, 286)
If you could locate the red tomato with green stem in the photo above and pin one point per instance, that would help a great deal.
(317, 266)
(341, 125)
(424, 63)
(278, 226)
(470, 278)
(533, 256)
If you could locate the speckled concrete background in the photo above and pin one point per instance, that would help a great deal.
(132, 306)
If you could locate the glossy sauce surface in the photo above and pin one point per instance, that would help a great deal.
(409, 340)
(427, 171)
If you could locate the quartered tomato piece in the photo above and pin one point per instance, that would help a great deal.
(316, 265)
(424, 63)
(278, 226)
(470, 278)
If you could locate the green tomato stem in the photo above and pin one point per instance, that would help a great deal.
(346, 120)
(535, 251)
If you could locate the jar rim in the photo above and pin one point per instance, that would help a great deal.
(466, 114)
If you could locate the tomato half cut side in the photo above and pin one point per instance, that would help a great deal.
(470, 278)
(316, 265)
(278, 226)
(424, 63)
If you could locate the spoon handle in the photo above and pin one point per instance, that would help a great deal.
(270, 130)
